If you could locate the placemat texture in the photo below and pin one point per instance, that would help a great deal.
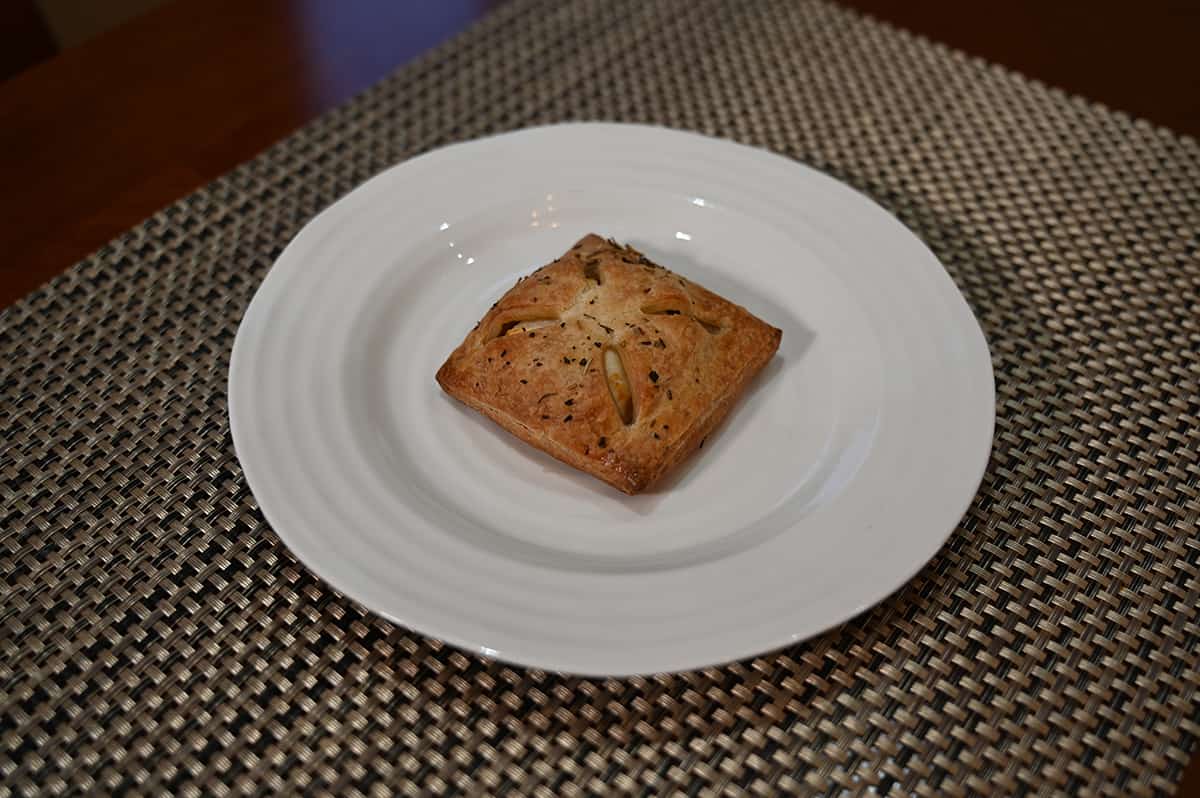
(156, 637)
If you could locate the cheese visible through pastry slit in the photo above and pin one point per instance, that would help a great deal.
(618, 384)
(521, 326)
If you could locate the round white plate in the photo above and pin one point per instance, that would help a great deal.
(843, 469)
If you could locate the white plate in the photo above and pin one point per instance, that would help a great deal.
(842, 471)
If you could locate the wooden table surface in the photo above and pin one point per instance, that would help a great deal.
(103, 135)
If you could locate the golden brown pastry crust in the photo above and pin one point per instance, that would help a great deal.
(535, 363)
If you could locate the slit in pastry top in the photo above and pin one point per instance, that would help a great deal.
(519, 326)
(710, 327)
(618, 384)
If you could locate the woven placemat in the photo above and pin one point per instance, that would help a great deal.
(155, 635)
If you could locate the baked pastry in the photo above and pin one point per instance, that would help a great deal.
(609, 362)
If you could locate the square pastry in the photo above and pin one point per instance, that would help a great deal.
(609, 362)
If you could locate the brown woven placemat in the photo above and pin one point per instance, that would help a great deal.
(155, 635)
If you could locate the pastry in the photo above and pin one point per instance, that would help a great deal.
(609, 362)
